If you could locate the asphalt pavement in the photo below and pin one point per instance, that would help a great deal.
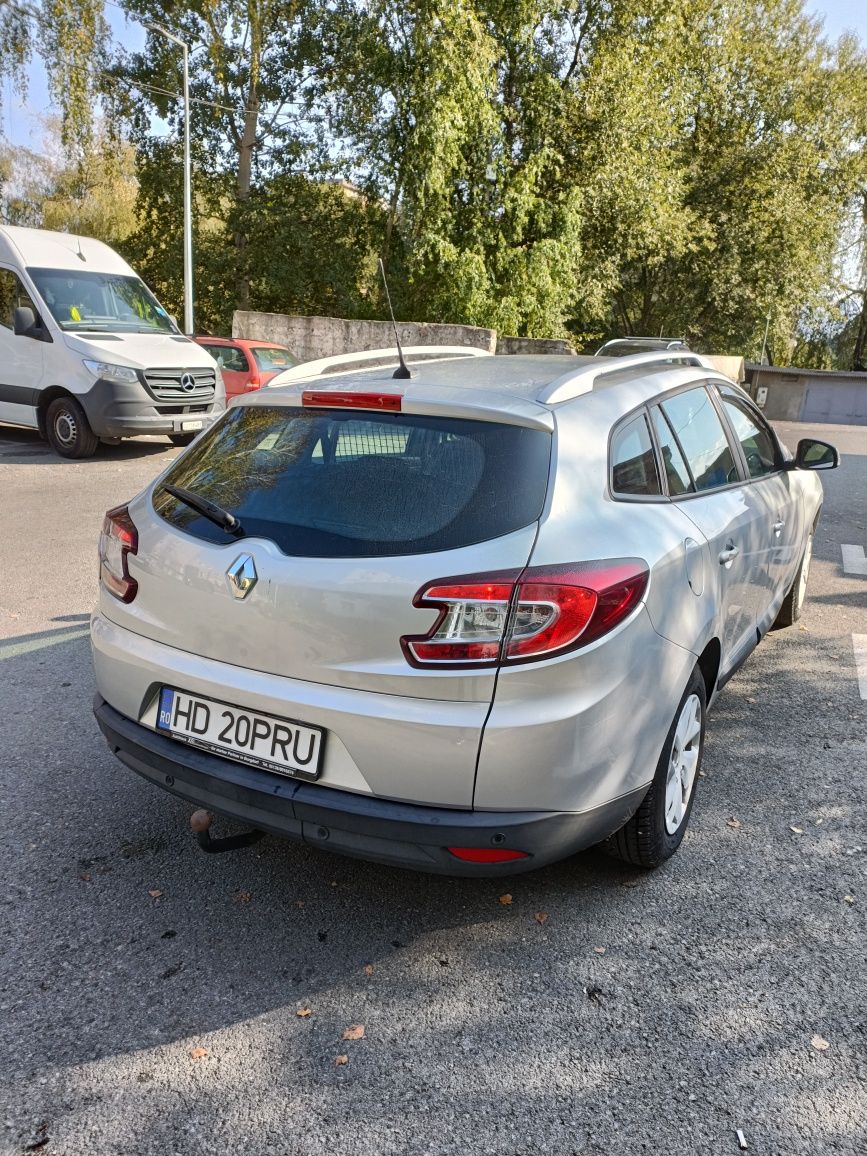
(150, 994)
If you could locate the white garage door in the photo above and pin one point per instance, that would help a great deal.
(842, 404)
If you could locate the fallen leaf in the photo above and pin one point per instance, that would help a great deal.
(733, 823)
(797, 830)
(243, 896)
(300, 902)
(848, 898)
(820, 1044)
(354, 1032)
(599, 950)
(304, 1012)
(84, 877)
(752, 700)
(199, 1053)
(368, 969)
(505, 900)
(702, 774)
(541, 916)
(341, 1060)
(155, 894)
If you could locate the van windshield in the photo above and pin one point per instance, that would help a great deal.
(100, 302)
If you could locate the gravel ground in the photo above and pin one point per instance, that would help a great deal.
(149, 993)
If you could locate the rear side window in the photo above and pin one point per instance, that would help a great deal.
(228, 357)
(696, 424)
(633, 462)
(335, 484)
(676, 472)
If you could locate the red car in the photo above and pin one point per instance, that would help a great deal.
(246, 365)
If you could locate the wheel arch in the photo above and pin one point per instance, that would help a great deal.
(709, 664)
(46, 397)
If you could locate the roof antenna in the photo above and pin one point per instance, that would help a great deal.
(402, 371)
(81, 255)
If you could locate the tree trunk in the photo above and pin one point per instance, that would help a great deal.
(242, 194)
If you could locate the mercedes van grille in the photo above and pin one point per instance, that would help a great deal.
(173, 384)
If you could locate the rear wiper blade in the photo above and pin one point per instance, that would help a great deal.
(210, 510)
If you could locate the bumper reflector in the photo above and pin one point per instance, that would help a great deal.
(486, 854)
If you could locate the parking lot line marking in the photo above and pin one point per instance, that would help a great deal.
(13, 649)
(854, 561)
(859, 644)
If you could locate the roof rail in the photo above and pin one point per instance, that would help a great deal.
(374, 359)
(583, 378)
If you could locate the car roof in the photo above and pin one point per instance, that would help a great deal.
(245, 341)
(523, 389)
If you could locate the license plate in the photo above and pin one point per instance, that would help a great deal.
(259, 740)
(189, 426)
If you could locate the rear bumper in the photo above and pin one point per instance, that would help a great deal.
(400, 834)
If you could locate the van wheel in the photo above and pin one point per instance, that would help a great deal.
(656, 829)
(793, 603)
(68, 430)
(182, 439)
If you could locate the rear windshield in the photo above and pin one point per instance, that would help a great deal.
(341, 484)
(268, 358)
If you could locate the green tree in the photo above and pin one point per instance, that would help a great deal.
(93, 194)
(455, 115)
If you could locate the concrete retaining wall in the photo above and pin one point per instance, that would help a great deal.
(312, 337)
(518, 345)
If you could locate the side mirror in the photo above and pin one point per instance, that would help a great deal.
(25, 321)
(815, 455)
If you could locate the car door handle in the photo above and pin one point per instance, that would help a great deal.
(779, 527)
(725, 556)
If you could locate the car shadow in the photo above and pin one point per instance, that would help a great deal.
(25, 447)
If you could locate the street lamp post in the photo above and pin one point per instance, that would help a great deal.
(188, 192)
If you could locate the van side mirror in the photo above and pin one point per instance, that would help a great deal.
(25, 320)
(815, 455)
(25, 324)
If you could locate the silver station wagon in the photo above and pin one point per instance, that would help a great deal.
(468, 621)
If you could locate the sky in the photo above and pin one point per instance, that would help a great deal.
(20, 121)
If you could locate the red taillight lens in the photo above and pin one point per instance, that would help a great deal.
(337, 400)
(119, 539)
(520, 617)
(590, 599)
(486, 854)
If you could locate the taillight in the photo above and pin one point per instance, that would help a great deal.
(119, 539)
(253, 383)
(332, 398)
(515, 616)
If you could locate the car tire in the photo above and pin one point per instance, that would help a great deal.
(656, 830)
(182, 439)
(793, 603)
(68, 430)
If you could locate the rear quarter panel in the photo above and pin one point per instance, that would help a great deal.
(577, 731)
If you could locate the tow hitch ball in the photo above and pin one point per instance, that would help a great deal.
(201, 821)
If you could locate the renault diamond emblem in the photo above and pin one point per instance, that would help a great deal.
(188, 382)
(242, 575)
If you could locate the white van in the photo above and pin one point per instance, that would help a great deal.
(88, 354)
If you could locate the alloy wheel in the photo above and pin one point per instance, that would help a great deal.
(683, 763)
